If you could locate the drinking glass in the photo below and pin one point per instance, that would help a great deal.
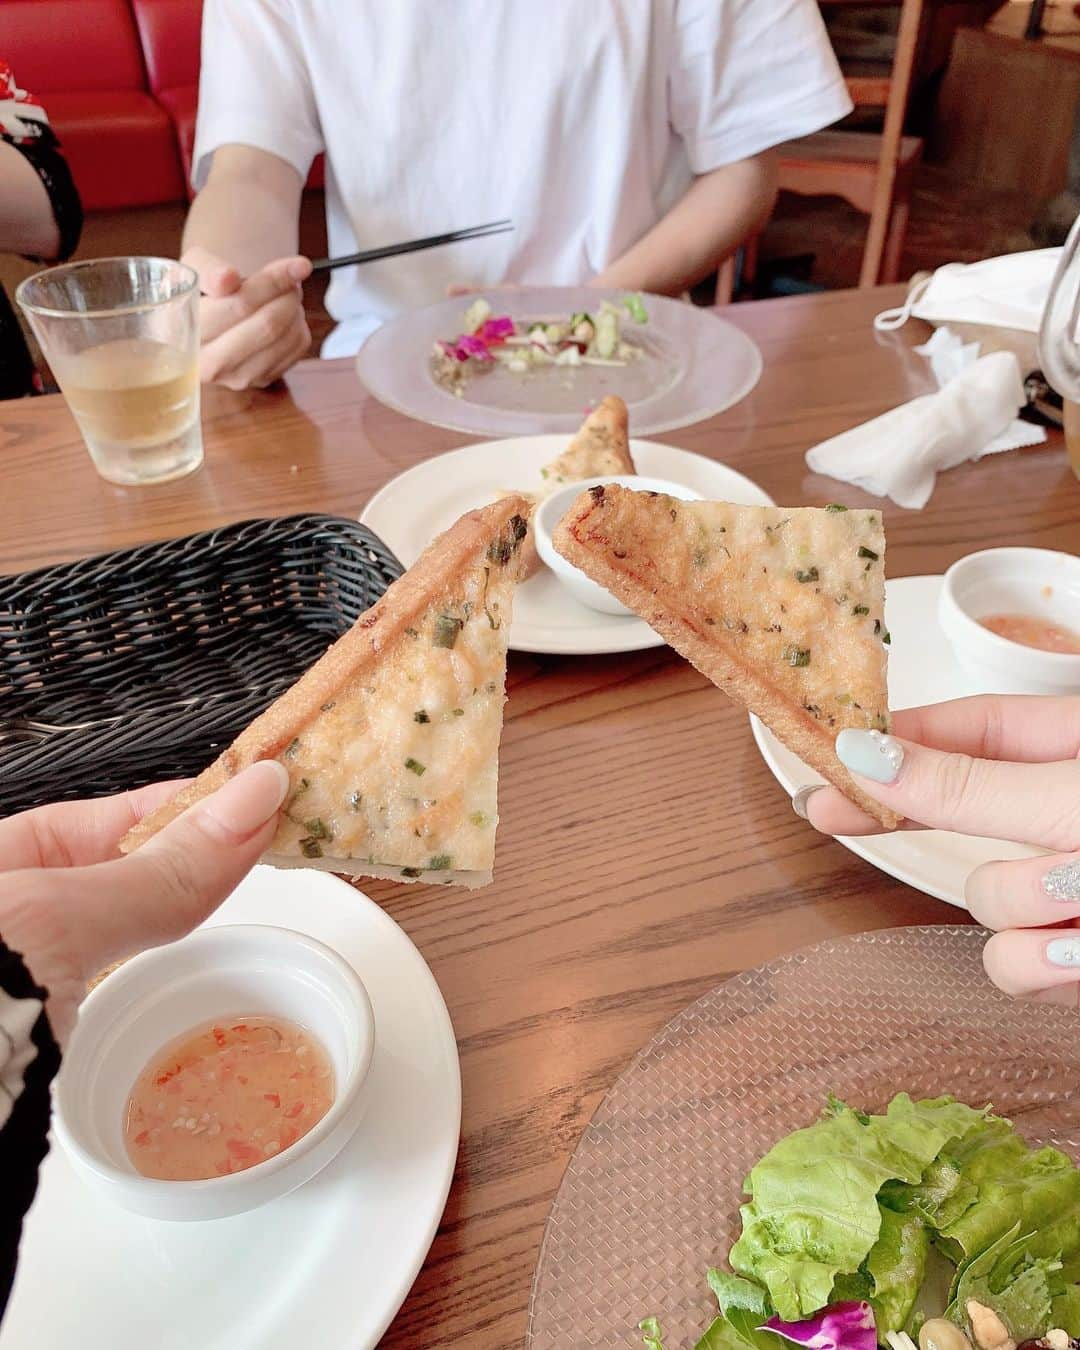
(1059, 354)
(122, 338)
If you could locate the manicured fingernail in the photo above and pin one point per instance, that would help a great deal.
(798, 802)
(248, 801)
(1064, 952)
(1063, 882)
(871, 753)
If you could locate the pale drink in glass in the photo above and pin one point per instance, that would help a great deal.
(121, 335)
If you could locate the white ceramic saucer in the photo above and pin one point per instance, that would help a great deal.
(328, 1265)
(416, 505)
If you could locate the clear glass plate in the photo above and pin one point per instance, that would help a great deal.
(651, 1196)
(693, 366)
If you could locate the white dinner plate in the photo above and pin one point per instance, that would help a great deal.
(693, 365)
(921, 670)
(328, 1265)
(416, 505)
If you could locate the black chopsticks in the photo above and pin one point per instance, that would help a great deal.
(412, 246)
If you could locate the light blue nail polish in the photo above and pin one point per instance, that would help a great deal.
(798, 802)
(1064, 952)
(871, 753)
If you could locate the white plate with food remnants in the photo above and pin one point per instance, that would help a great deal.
(534, 359)
(922, 669)
(416, 505)
(329, 1264)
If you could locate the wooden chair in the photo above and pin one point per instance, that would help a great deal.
(872, 171)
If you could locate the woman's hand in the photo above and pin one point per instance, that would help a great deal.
(1002, 767)
(70, 906)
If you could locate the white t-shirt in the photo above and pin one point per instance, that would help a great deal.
(582, 121)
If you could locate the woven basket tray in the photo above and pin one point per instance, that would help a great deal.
(183, 641)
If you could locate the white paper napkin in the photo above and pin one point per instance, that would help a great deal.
(900, 454)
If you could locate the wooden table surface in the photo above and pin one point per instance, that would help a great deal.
(645, 852)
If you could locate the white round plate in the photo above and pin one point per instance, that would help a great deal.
(328, 1265)
(921, 670)
(694, 366)
(421, 502)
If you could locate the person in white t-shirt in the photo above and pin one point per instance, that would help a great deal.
(627, 141)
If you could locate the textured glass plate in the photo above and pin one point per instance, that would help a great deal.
(694, 366)
(650, 1198)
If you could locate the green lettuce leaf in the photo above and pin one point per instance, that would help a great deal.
(1065, 1310)
(896, 1265)
(1016, 1285)
(719, 1336)
(744, 1306)
(814, 1211)
(892, 1274)
(1004, 1183)
(651, 1334)
(732, 1292)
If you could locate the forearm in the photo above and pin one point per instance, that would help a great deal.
(248, 212)
(718, 211)
(27, 220)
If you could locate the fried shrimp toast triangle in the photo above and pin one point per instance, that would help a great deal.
(391, 739)
(600, 448)
(783, 609)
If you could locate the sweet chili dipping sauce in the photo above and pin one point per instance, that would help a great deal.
(225, 1096)
(1032, 632)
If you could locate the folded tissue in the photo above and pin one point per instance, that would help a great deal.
(973, 414)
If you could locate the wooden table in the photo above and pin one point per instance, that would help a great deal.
(646, 853)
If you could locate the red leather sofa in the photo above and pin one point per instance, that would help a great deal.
(120, 82)
(169, 36)
(83, 59)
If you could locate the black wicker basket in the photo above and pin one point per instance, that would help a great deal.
(182, 642)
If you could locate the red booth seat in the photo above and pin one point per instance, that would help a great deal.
(121, 147)
(120, 82)
(84, 61)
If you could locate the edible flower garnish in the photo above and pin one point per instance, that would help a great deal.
(844, 1326)
(496, 330)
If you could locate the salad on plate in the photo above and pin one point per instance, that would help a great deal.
(934, 1224)
(490, 341)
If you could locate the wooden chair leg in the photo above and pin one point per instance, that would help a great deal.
(725, 281)
(894, 241)
(870, 271)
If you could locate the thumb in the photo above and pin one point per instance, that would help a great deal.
(997, 799)
(217, 277)
(179, 876)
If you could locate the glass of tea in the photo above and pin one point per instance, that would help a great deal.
(1059, 352)
(122, 338)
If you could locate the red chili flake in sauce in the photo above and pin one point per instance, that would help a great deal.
(193, 1114)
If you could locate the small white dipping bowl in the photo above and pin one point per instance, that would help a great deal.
(1034, 581)
(156, 997)
(556, 506)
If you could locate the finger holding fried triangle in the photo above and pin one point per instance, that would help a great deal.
(391, 740)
